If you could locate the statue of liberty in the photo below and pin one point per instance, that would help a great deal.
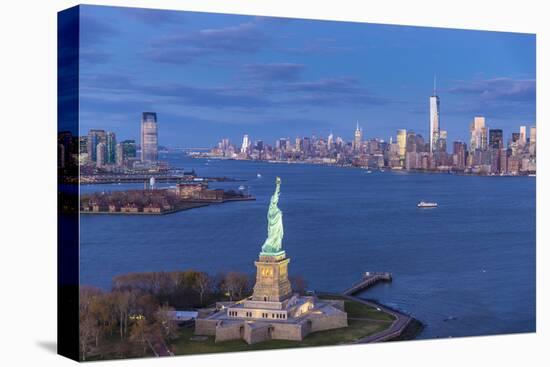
(273, 243)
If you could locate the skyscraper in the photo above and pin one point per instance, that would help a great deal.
(522, 135)
(459, 154)
(533, 134)
(128, 149)
(119, 153)
(149, 137)
(442, 141)
(402, 142)
(533, 140)
(110, 147)
(298, 143)
(358, 137)
(434, 120)
(245, 145)
(330, 140)
(411, 141)
(100, 155)
(478, 131)
(94, 138)
(496, 140)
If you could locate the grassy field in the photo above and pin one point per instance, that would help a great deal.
(363, 321)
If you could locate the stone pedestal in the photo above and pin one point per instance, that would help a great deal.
(272, 283)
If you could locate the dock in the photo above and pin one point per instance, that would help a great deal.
(368, 280)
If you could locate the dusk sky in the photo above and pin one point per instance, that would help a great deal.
(210, 76)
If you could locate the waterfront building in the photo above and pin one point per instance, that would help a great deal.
(514, 164)
(412, 160)
(496, 140)
(149, 137)
(503, 164)
(434, 120)
(478, 134)
(273, 311)
(459, 155)
(95, 137)
(357, 138)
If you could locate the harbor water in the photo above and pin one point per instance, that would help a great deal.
(464, 268)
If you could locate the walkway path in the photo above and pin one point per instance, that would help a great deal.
(398, 326)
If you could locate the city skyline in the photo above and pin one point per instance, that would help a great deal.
(273, 77)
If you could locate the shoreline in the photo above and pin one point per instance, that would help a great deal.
(386, 169)
(405, 327)
(196, 204)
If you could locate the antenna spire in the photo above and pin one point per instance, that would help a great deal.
(434, 83)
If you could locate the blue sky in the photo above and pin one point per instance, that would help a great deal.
(210, 76)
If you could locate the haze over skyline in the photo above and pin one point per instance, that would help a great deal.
(210, 76)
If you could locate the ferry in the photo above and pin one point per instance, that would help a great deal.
(426, 204)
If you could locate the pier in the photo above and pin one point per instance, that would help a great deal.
(369, 279)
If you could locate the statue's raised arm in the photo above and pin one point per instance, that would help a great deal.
(275, 232)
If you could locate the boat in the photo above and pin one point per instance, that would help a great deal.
(369, 171)
(241, 188)
(259, 175)
(426, 204)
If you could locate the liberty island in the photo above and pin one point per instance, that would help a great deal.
(273, 311)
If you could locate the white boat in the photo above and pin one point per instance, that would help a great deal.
(259, 175)
(241, 188)
(369, 171)
(426, 204)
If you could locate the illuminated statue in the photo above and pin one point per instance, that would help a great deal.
(273, 243)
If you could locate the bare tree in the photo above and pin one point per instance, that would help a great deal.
(88, 325)
(122, 306)
(235, 284)
(166, 323)
(202, 284)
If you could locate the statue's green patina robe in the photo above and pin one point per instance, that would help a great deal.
(273, 243)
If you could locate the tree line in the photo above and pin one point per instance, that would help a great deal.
(134, 318)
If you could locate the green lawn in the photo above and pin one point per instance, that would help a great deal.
(360, 310)
(357, 329)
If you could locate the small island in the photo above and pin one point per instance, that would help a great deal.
(153, 201)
